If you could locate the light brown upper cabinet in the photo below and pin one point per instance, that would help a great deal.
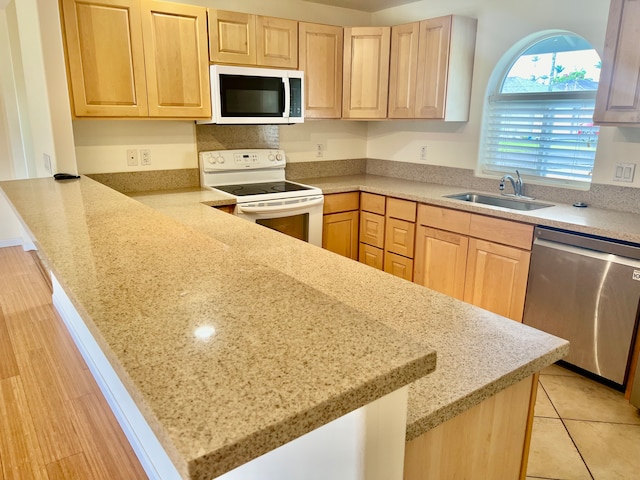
(618, 98)
(431, 68)
(105, 57)
(403, 70)
(245, 39)
(132, 58)
(176, 59)
(320, 57)
(366, 72)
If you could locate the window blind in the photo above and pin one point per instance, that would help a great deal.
(541, 135)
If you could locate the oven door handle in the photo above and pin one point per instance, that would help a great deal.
(282, 208)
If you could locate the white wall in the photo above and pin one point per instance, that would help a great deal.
(501, 24)
(340, 140)
(101, 145)
(34, 88)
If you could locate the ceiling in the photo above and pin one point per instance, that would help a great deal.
(364, 5)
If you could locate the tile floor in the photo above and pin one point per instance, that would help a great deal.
(582, 430)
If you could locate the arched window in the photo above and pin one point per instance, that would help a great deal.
(539, 113)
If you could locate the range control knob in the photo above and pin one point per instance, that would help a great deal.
(279, 156)
(220, 159)
(271, 157)
(211, 160)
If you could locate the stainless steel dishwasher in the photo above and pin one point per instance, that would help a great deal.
(586, 290)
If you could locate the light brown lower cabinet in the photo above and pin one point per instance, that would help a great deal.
(398, 265)
(340, 223)
(340, 233)
(481, 260)
(371, 256)
(496, 278)
(490, 440)
(441, 260)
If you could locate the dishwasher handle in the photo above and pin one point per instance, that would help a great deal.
(582, 241)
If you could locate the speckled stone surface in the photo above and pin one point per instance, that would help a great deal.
(354, 166)
(129, 182)
(611, 197)
(285, 357)
(479, 353)
(591, 220)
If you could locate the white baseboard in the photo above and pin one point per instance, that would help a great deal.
(11, 242)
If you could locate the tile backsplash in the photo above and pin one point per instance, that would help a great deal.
(231, 137)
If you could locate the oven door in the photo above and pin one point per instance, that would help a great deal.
(299, 217)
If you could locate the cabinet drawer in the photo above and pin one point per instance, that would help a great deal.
(502, 231)
(402, 209)
(371, 256)
(372, 229)
(399, 237)
(341, 202)
(399, 266)
(372, 203)
(444, 218)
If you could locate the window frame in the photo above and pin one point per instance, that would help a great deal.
(487, 168)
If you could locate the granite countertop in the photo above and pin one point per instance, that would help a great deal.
(479, 353)
(593, 221)
(284, 358)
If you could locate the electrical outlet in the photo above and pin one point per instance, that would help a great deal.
(319, 150)
(132, 157)
(145, 156)
(423, 152)
(47, 162)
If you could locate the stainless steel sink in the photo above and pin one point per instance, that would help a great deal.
(512, 203)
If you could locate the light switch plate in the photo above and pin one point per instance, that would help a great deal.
(624, 172)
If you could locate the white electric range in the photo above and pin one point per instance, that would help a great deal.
(256, 180)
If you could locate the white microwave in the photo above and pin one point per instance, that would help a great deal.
(256, 96)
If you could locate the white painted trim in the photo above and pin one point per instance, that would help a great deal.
(11, 242)
(152, 456)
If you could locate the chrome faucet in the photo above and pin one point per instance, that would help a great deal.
(515, 184)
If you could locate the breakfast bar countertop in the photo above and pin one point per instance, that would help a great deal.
(279, 358)
(309, 325)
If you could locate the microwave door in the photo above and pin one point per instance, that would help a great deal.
(245, 97)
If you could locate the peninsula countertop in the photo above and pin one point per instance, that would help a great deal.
(479, 353)
(284, 358)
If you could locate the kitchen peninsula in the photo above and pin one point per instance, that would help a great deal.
(301, 336)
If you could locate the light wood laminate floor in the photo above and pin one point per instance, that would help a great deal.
(54, 421)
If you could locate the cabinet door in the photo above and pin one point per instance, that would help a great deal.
(432, 67)
(177, 60)
(106, 57)
(440, 261)
(371, 256)
(399, 266)
(497, 278)
(372, 229)
(340, 234)
(403, 70)
(232, 37)
(366, 72)
(277, 42)
(618, 98)
(320, 57)
(399, 236)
